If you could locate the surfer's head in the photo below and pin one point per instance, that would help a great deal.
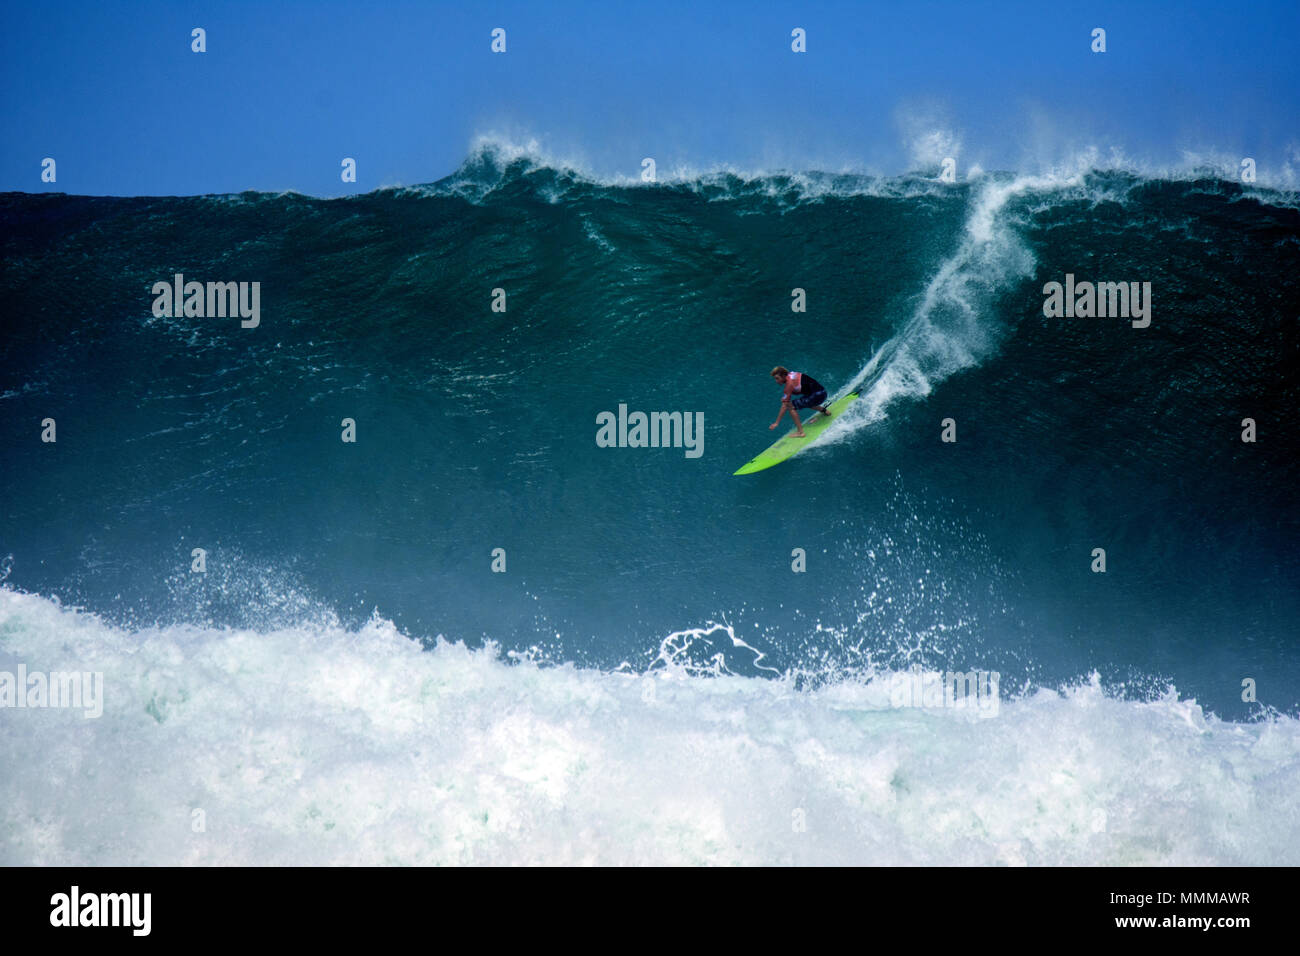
(780, 373)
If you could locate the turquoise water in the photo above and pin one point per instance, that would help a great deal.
(351, 680)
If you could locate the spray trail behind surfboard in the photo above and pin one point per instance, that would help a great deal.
(954, 325)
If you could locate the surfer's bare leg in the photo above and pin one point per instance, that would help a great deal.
(798, 425)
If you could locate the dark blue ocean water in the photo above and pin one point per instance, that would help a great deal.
(476, 431)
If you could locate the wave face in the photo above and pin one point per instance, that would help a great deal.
(476, 430)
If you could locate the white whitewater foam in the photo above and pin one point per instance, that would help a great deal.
(319, 745)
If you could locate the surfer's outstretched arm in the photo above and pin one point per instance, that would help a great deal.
(786, 405)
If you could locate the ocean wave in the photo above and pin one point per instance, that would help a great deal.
(495, 161)
(317, 744)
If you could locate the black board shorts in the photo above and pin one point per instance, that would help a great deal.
(808, 401)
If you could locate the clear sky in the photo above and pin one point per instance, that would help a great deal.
(286, 90)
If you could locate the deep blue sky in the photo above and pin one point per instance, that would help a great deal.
(113, 93)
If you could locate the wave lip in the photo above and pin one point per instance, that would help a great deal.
(495, 160)
(319, 745)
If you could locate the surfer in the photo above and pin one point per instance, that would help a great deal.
(801, 390)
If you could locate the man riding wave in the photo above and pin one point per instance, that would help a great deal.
(800, 390)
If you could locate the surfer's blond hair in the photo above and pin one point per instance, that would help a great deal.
(781, 370)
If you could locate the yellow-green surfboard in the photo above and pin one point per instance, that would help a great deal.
(791, 445)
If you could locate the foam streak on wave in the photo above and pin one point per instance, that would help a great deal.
(954, 326)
